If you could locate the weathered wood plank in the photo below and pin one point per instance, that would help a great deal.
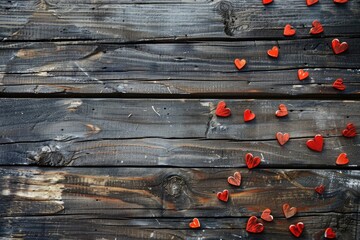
(171, 132)
(204, 68)
(172, 19)
(79, 226)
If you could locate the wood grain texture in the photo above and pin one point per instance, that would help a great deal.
(128, 132)
(198, 68)
(147, 20)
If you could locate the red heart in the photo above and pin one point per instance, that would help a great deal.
(342, 159)
(317, 27)
(252, 161)
(195, 223)
(239, 63)
(340, 1)
(350, 130)
(338, 84)
(274, 52)
(282, 138)
(302, 74)
(297, 229)
(265, 2)
(222, 110)
(329, 233)
(223, 196)
(248, 115)
(289, 30)
(289, 211)
(235, 180)
(311, 2)
(320, 189)
(339, 47)
(253, 226)
(282, 112)
(316, 144)
(266, 215)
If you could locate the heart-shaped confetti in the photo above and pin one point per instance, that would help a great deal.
(235, 180)
(222, 110)
(342, 159)
(266, 216)
(339, 47)
(289, 30)
(253, 226)
(248, 115)
(195, 223)
(341, 1)
(302, 74)
(252, 161)
(297, 229)
(239, 63)
(330, 233)
(349, 131)
(282, 112)
(274, 52)
(339, 84)
(311, 2)
(320, 189)
(266, 2)
(282, 138)
(289, 211)
(317, 27)
(223, 196)
(316, 144)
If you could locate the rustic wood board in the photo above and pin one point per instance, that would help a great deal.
(198, 68)
(107, 201)
(128, 132)
(171, 19)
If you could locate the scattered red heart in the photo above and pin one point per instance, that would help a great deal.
(282, 112)
(252, 161)
(302, 74)
(195, 223)
(329, 233)
(311, 2)
(297, 229)
(282, 138)
(265, 2)
(289, 211)
(339, 84)
(339, 47)
(222, 110)
(320, 189)
(289, 30)
(266, 215)
(342, 159)
(248, 115)
(317, 27)
(349, 131)
(239, 63)
(274, 52)
(316, 144)
(223, 196)
(341, 1)
(235, 180)
(253, 226)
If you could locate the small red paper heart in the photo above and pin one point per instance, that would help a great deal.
(302, 74)
(248, 115)
(195, 223)
(282, 138)
(253, 226)
(239, 63)
(317, 27)
(329, 233)
(222, 110)
(282, 112)
(340, 1)
(223, 196)
(289, 30)
(342, 159)
(316, 144)
(350, 131)
(297, 229)
(289, 211)
(339, 84)
(311, 2)
(274, 52)
(266, 215)
(265, 2)
(235, 180)
(339, 47)
(320, 189)
(252, 161)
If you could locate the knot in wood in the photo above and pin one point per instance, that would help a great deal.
(174, 186)
(49, 155)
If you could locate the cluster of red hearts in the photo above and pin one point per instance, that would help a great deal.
(337, 46)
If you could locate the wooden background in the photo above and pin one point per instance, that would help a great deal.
(108, 131)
